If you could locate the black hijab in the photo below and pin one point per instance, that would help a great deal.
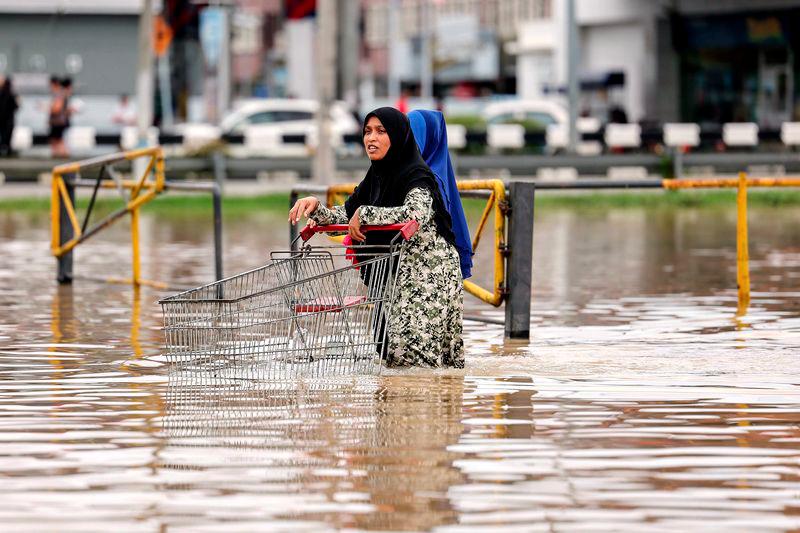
(389, 180)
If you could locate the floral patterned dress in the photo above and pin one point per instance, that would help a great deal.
(425, 322)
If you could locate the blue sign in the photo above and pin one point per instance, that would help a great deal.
(212, 32)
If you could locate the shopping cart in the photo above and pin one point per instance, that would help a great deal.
(316, 311)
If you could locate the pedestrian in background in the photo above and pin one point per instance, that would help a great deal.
(9, 104)
(402, 102)
(57, 118)
(124, 114)
(70, 107)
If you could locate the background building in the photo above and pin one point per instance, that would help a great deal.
(679, 60)
(656, 60)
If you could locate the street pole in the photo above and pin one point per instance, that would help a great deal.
(144, 85)
(394, 15)
(165, 90)
(426, 72)
(573, 56)
(324, 158)
(348, 75)
(144, 74)
(224, 65)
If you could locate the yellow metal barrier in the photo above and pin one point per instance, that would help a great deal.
(142, 190)
(718, 183)
(496, 203)
(742, 251)
(742, 182)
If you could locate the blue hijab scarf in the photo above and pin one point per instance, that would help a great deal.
(430, 133)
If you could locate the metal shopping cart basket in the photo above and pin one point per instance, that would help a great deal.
(316, 311)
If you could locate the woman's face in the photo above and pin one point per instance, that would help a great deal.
(376, 139)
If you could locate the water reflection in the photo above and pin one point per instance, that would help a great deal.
(625, 456)
(372, 451)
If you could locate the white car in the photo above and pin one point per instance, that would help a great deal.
(526, 112)
(543, 116)
(265, 121)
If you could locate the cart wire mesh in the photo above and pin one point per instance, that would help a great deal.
(311, 312)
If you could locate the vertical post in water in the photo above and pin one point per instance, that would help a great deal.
(137, 270)
(520, 261)
(292, 227)
(66, 232)
(217, 200)
(742, 252)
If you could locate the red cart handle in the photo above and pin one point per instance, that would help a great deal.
(407, 230)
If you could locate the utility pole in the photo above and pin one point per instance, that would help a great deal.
(325, 158)
(215, 22)
(394, 14)
(426, 71)
(144, 73)
(573, 56)
(348, 52)
(224, 66)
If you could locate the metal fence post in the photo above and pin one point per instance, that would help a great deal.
(520, 260)
(292, 228)
(220, 168)
(742, 250)
(216, 199)
(66, 232)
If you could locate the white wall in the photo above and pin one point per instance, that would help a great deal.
(300, 45)
(534, 71)
(619, 47)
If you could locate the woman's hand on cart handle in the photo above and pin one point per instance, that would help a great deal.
(302, 208)
(406, 230)
(354, 228)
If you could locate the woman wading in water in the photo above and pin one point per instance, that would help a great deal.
(424, 324)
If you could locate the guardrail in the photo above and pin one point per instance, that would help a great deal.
(742, 249)
(67, 232)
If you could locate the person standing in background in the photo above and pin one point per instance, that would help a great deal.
(9, 104)
(57, 118)
(69, 106)
(124, 114)
(402, 102)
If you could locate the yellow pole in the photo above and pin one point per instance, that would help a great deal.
(742, 253)
(55, 213)
(135, 244)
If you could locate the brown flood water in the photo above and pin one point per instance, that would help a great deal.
(641, 403)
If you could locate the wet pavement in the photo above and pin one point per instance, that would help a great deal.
(642, 402)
